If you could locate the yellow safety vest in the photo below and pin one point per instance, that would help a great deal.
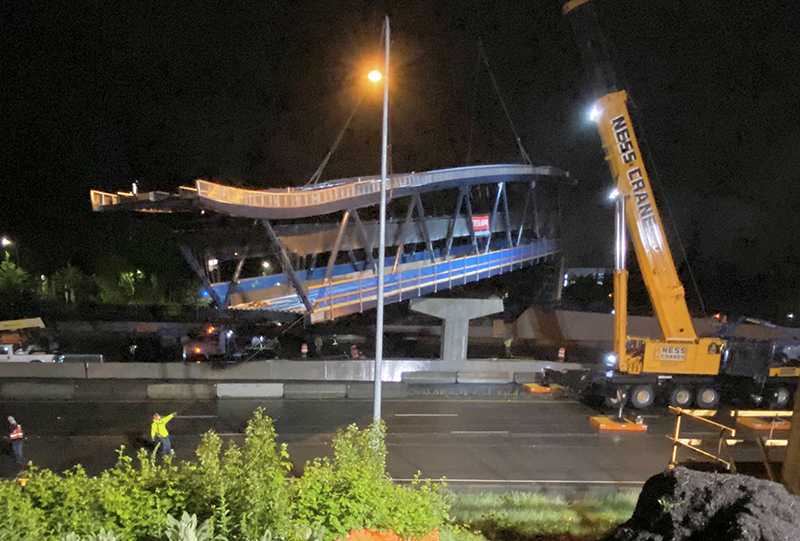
(159, 427)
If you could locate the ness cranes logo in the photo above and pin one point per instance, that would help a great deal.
(627, 154)
(671, 353)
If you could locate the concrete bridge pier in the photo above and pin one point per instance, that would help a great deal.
(456, 314)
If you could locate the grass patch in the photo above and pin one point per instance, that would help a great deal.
(518, 516)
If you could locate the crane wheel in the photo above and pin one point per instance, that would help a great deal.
(779, 398)
(613, 400)
(642, 397)
(707, 398)
(680, 397)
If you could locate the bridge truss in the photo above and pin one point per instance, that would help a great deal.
(445, 228)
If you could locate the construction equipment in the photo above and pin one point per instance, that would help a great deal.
(682, 368)
(758, 440)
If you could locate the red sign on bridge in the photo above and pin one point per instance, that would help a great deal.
(480, 223)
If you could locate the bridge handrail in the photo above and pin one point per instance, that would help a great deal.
(353, 193)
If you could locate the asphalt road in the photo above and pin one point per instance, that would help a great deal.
(513, 441)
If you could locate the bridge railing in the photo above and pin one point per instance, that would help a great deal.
(361, 292)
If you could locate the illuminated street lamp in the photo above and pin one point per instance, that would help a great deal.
(5, 242)
(376, 76)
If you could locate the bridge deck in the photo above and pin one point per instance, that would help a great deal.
(356, 292)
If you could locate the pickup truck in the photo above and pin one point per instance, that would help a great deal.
(9, 355)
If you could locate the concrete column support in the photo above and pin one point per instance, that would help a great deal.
(456, 314)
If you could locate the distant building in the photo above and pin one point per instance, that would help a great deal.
(599, 273)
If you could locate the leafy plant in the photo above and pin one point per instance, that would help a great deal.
(244, 490)
(186, 529)
(102, 535)
(354, 491)
(242, 493)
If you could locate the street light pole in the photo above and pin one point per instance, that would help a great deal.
(376, 412)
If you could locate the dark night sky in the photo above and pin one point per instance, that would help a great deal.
(96, 94)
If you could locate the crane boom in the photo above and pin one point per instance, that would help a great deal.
(644, 221)
(681, 368)
(681, 351)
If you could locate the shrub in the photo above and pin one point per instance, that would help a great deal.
(19, 519)
(244, 491)
(354, 491)
(241, 494)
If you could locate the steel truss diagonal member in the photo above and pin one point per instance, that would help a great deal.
(506, 215)
(287, 267)
(528, 195)
(367, 243)
(401, 239)
(237, 273)
(470, 223)
(336, 244)
(451, 229)
(425, 233)
(200, 272)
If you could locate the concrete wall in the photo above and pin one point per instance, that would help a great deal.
(561, 328)
(392, 370)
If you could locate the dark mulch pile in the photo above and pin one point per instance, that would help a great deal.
(683, 504)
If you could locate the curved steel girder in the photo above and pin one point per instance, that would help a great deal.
(356, 193)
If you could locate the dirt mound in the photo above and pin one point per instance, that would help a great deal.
(683, 504)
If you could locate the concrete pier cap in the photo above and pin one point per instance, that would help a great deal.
(456, 314)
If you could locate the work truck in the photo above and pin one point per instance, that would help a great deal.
(19, 342)
(10, 354)
(682, 368)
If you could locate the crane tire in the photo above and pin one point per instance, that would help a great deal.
(707, 398)
(642, 397)
(680, 397)
(779, 397)
(611, 400)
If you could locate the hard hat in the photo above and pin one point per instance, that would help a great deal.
(156, 416)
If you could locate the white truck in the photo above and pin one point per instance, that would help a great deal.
(14, 334)
(9, 355)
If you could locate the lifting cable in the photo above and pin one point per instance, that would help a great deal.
(645, 147)
(525, 158)
(655, 176)
(318, 173)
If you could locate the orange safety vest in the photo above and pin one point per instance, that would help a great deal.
(16, 434)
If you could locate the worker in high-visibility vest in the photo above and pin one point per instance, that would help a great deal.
(159, 430)
(16, 437)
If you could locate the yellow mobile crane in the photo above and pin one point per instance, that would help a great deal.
(681, 368)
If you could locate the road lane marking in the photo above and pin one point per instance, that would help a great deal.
(426, 414)
(479, 431)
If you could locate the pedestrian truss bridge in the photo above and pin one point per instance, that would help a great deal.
(444, 228)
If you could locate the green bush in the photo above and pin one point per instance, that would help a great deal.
(132, 502)
(241, 494)
(19, 519)
(354, 491)
(245, 491)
